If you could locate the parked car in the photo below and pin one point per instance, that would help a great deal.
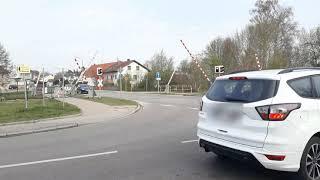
(13, 87)
(83, 89)
(271, 117)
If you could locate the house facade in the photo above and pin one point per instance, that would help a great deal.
(130, 69)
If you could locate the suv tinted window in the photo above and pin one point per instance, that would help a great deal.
(316, 82)
(249, 90)
(302, 87)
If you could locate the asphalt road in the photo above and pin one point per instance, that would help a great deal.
(155, 143)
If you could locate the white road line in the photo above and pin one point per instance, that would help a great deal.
(189, 141)
(194, 108)
(56, 160)
(166, 105)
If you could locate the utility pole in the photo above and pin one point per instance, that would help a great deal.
(63, 93)
(120, 77)
(146, 83)
(43, 90)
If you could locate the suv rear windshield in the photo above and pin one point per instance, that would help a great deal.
(248, 90)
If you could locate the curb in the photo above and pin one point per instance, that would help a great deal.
(58, 127)
(137, 109)
(40, 120)
(6, 135)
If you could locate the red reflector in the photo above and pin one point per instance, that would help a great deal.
(238, 78)
(275, 157)
(276, 116)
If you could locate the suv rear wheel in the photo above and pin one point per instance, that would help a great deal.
(310, 161)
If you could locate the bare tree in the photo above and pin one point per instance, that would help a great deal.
(312, 43)
(307, 48)
(272, 33)
(5, 66)
(160, 62)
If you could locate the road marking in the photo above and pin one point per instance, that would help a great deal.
(56, 160)
(194, 108)
(166, 105)
(189, 141)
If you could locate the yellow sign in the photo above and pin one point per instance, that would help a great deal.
(24, 69)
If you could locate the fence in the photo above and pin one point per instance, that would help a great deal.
(177, 88)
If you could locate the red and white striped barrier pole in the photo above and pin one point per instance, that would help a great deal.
(258, 62)
(195, 60)
(77, 62)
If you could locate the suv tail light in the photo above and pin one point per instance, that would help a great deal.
(278, 112)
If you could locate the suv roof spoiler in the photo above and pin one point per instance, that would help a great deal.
(297, 69)
(234, 72)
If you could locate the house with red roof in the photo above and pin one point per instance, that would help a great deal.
(111, 71)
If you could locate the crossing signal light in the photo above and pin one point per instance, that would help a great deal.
(219, 69)
(222, 69)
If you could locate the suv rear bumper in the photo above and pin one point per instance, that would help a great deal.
(248, 153)
(229, 152)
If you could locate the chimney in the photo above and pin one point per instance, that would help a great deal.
(128, 59)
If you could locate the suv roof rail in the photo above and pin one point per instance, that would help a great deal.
(297, 69)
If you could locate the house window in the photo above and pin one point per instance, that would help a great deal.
(137, 68)
(129, 68)
(134, 77)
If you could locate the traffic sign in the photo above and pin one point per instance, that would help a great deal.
(158, 77)
(99, 71)
(100, 83)
(24, 69)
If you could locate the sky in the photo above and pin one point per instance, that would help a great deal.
(51, 33)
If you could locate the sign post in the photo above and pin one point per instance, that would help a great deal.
(25, 92)
(24, 69)
(158, 78)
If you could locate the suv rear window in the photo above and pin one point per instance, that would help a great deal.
(248, 90)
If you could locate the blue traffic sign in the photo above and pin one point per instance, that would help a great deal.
(158, 75)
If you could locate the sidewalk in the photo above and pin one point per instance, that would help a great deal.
(91, 112)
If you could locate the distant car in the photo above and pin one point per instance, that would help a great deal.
(83, 89)
(13, 87)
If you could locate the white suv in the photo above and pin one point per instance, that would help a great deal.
(269, 116)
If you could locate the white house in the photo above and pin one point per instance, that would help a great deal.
(132, 68)
(111, 71)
